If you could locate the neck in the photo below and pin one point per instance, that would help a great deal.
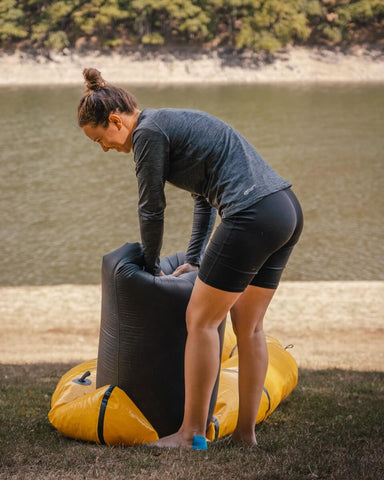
(130, 120)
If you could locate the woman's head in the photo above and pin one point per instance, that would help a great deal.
(107, 114)
(101, 99)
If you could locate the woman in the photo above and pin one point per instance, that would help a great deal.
(240, 269)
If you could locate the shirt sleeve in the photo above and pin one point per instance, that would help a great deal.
(203, 222)
(151, 154)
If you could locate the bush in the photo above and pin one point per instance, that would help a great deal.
(256, 24)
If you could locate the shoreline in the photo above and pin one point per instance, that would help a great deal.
(152, 67)
(331, 324)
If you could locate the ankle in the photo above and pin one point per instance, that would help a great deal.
(188, 434)
(244, 437)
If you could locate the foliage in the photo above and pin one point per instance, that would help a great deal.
(271, 24)
(337, 20)
(257, 24)
(11, 21)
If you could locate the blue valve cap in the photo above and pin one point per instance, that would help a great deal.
(199, 443)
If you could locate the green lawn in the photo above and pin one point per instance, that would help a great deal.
(330, 427)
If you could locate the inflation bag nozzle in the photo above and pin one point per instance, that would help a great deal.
(83, 379)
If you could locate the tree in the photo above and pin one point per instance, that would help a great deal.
(12, 19)
(272, 24)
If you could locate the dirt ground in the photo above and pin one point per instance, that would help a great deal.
(330, 324)
(292, 64)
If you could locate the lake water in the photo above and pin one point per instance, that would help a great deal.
(65, 203)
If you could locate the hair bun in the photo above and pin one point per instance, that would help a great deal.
(93, 79)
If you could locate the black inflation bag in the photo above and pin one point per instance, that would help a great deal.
(143, 335)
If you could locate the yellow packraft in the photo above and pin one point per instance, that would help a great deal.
(107, 415)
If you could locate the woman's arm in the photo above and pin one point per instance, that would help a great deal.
(204, 217)
(151, 153)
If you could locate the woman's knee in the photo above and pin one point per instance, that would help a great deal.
(245, 335)
(197, 320)
(247, 321)
(208, 306)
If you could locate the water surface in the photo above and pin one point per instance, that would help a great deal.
(65, 203)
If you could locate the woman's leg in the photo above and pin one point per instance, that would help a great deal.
(248, 248)
(247, 318)
(207, 308)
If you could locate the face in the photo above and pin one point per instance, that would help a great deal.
(116, 136)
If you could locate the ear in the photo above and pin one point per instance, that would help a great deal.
(116, 120)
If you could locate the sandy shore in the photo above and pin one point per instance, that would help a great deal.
(330, 324)
(293, 64)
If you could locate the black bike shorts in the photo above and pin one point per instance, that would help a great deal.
(252, 247)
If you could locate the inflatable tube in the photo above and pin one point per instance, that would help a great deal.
(107, 414)
(143, 334)
(281, 379)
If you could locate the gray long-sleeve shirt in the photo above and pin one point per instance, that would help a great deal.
(203, 155)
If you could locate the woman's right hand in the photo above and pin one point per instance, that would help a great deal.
(185, 268)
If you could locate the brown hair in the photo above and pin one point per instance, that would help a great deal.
(101, 99)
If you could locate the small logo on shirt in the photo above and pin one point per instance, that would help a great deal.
(250, 189)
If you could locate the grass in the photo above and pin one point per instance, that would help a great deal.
(330, 427)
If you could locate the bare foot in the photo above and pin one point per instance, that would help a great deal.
(171, 441)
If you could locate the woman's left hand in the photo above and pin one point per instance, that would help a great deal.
(185, 268)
